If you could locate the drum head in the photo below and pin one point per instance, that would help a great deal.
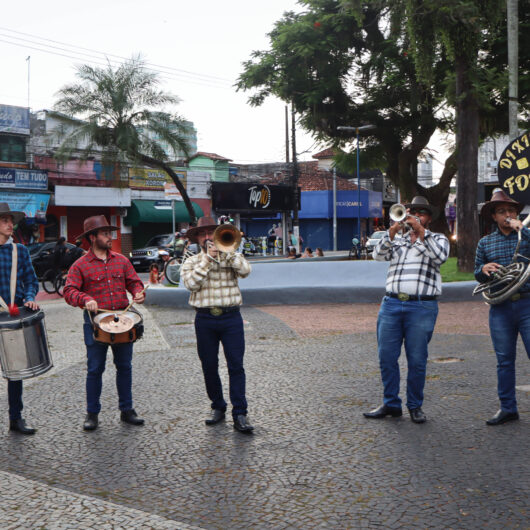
(115, 323)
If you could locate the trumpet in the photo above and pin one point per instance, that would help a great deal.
(398, 214)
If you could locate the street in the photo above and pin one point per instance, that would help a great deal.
(313, 461)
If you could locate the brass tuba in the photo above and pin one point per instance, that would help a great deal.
(506, 281)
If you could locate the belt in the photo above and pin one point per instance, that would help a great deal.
(217, 311)
(518, 296)
(404, 297)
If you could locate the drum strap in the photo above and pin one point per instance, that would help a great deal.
(14, 263)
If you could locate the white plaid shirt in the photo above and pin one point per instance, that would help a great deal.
(214, 284)
(414, 268)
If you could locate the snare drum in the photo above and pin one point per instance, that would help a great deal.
(24, 351)
(119, 327)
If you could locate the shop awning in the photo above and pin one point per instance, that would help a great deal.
(158, 212)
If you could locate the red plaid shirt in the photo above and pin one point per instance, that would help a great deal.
(106, 282)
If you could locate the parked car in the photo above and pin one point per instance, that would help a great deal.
(42, 256)
(142, 258)
(373, 240)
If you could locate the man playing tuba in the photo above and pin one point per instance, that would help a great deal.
(212, 277)
(512, 316)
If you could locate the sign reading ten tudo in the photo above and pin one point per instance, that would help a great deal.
(514, 169)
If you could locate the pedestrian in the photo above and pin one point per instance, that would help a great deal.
(212, 278)
(59, 254)
(409, 309)
(154, 273)
(511, 317)
(308, 253)
(26, 289)
(319, 253)
(73, 254)
(99, 281)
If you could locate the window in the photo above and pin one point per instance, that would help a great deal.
(12, 148)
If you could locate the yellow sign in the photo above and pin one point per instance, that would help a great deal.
(153, 179)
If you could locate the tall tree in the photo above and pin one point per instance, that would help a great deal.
(344, 64)
(465, 29)
(122, 117)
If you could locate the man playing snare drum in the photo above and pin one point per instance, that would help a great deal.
(97, 281)
(25, 292)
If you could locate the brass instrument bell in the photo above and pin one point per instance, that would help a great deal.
(227, 238)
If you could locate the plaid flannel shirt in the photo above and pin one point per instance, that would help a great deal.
(27, 283)
(106, 282)
(214, 284)
(414, 267)
(498, 248)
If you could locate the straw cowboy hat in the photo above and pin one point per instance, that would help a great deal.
(17, 216)
(421, 203)
(94, 223)
(497, 198)
(205, 223)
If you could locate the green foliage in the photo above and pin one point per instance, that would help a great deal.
(450, 272)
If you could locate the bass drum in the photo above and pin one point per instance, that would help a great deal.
(24, 350)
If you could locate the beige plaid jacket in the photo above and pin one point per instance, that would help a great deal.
(214, 284)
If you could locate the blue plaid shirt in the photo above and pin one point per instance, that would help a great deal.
(498, 248)
(27, 283)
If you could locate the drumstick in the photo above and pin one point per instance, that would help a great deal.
(132, 301)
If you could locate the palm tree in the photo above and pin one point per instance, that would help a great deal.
(120, 113)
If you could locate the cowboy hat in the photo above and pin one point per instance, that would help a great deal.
(205, 223)
(17, 216)
(94, 223)
(421, 203)
(497, 198)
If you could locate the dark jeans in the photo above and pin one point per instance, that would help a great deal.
(96, 359)
(507, 321)
(411, 323)
(14, 396)
(228, 330)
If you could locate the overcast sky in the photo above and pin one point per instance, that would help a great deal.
(200, 45)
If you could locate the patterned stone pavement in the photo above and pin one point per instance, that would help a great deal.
(313, 462)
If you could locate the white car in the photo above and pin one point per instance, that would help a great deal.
(373, 240)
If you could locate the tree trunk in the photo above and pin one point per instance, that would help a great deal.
(153, 162)
(467, 138)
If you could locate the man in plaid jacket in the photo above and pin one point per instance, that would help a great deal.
(100, 280)
(410, 308)
(212, 278)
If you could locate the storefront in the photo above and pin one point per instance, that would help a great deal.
(150, 218)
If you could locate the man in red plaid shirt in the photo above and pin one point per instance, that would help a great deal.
(100, 280)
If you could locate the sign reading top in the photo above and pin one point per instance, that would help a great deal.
(514, 169)
(251, 198)
(14, 119)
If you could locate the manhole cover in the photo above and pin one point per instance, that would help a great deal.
(442, 360)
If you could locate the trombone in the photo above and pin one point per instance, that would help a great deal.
(226, 238)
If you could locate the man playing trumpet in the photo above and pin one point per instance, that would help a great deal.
(508, 318)
(409, 309)
(212, 277)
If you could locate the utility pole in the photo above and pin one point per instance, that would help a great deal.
(286, 133)
(513, 64)
(28, 59)
(296, 223)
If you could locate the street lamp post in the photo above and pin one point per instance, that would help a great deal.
(357, 129)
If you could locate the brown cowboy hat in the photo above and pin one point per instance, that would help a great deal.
(96, 222)
(421, 203)
(17, 216)
(499, 197)
(205, 223)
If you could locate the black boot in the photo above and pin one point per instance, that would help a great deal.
(91, 422)
(216, 417)
(241, 424)
(20, 426)
(130, 416)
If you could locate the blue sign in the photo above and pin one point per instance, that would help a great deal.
(162, 205)
(28, 179)
(34, 205)
(14, 119)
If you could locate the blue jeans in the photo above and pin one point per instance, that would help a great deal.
(96, 359)
(411, 322)
(14, 397)
(228, 330)
(506, 321)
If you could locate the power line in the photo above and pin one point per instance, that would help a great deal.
(107, 55)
